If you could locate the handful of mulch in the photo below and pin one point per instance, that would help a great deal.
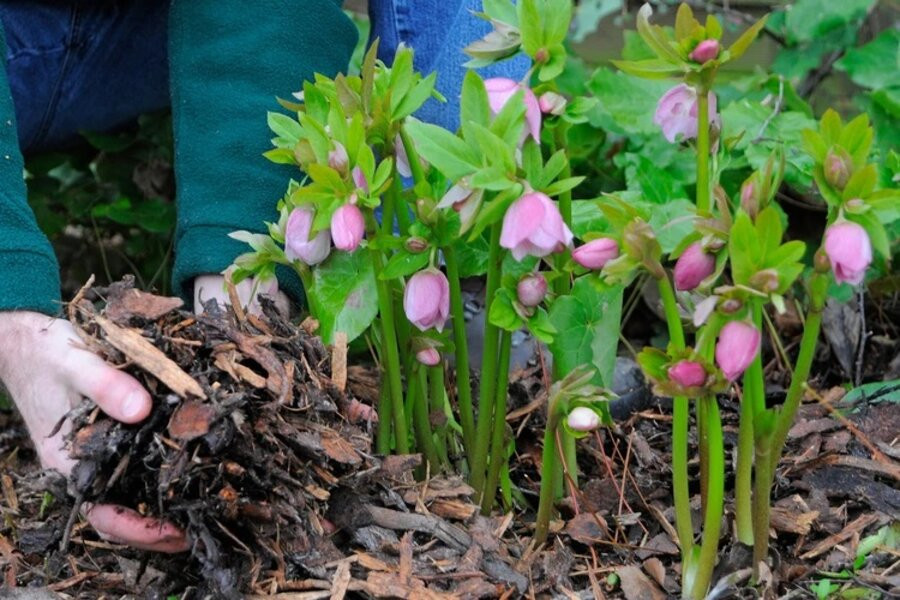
(245, 441)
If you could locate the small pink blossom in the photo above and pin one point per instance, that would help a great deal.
(297, 245)
(426, 299)
(693, 266)
(687, 373)
(533, 226)
(429, 357)
(596, 253)
(738, 345)
(338, 159)
(705, 51)
(552, 103)
(676, 112)
(501, 89)
(463, 200)
(359, 178)
(347, 227)
(531, 289)
(850, 251)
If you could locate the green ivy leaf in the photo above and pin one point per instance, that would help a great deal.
(587, 325)
(343, 295)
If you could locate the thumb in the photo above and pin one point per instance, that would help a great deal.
(117, 394)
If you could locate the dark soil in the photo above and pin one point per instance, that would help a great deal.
(248, 449)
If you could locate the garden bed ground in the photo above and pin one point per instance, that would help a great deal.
(284, 496)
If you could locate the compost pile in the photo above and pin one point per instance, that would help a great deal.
(247, 449)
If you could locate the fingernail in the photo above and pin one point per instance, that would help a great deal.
(134, 404)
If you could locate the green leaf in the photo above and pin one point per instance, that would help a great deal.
(285, 127)
(742, 248)
(563, 185)
(416, 97)
(501, 10)
(741, 44)
(404, 263)
(502, 313)
(474, 105)
(343, 295)
(530, 26)
(654, 68)
(472, 256)
(446, 152)
(877, 233)
(861, 183)
(655, 37)
(541, 327)
(587, 324)
(510, 120)
(685, 23)
(626, 103)
(557, 17)
(808, 19)
(874, 65)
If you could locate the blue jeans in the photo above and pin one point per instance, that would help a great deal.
(93, 65)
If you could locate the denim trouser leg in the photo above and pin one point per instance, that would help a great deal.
(437, 30)
(75, 65)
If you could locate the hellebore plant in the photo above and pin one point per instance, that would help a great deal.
(495, 198)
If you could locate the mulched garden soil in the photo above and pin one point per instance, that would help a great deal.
(248, 449)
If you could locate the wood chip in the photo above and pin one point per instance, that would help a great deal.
(341, 581)
(339, 449)
(339, 361)
(125, 302)
(791, 521)
(192, 419)
(831, 541)
(150, 358)
(637, 586)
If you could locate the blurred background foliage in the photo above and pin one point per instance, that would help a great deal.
(108, 203)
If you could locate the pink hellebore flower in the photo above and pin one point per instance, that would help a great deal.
(687, 373)
(531, 290)
(596, 253)
(426, 299)
(693, 266)
(582, 418)
(338, 159)
(501, 89)
(738, 345)
(428, 357)
(552, 103)
(676, 112)
(533, 226)
(347, 227)
(297, 245)
(705, 51)
(849, 250)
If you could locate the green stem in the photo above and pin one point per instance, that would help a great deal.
(391, 353)
(424, 435)
(415, 165)
(498, 446)
(488, 366)
(751, 404)
(703, 190)
(437, 393)
(712, 520)
(761, 499)
(703, 451)
(801, 372)
(549, 470)
(680, 420)
(463, 383)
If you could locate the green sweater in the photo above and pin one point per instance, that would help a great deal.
(229, 60)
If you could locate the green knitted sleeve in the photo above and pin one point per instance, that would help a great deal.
(29, 274)
(229, 60)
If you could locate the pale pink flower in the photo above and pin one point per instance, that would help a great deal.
(850, 251)
(501, 89)
(426, 299)
(676, 112)
(533, 226)
(693, 266)
(738, 345)
(347, 227)
(596, 253)
(297, 245)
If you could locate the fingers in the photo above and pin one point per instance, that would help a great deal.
(209, 287)
(125, 526)
(117, 394)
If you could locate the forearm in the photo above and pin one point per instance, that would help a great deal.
(229, 61)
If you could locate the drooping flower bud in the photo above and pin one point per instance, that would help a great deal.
(416, 244)
(749, 199)
(676, 112)
(765, 281)
(426, 299)
(705, 51)
(347, 227)
(836, 169)
(693, 266)
(297, 245)
(501, 89)
(582, 418)
(737, 347)
(359, 178)
(850, 251)
(596, 253)
(531, 289)
(429, 357)
(533, 226)
(338, 159)
(687, 373)
(465, 201)
(552, 103)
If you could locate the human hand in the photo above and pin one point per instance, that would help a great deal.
(207, 287)
(47, 370)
